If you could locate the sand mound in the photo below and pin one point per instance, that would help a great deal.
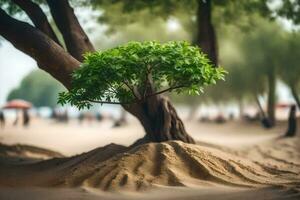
(25, 153)
(155, 164)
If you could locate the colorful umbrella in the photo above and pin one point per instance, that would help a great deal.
(17, 104)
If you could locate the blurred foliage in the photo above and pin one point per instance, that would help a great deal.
(125, 73)
(144, 11)
(289, 70)
(250, 57)
(39, 88)
(289, 9)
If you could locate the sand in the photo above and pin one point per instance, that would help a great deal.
(257, 166)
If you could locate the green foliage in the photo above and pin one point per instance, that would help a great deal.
(289, 9)
(39, 88)
(289, 68)
(144, 11)
(114, 76)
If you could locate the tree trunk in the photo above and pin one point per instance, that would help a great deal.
(160, 121)
(295, 95)
(265, 121)
(292, 123)
(38, 17)
(271, 96)
(261, 110)
(76, 40)
(51, 57)
(206, 36)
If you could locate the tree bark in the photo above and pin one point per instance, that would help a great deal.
(38, 17)
(295, 95)
(160, 121)
(76, 40)
(271, 96)
(292, 123)
(261, 110)
(206, 36)
(51, 57)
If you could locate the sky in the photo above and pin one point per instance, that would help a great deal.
(14, 65)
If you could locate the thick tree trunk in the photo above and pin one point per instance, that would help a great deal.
(38, 17)
(292, 123)
(160, 120)
(51, 57)
(295, 95)
(76, 40)
(271, 97)
(206, 36)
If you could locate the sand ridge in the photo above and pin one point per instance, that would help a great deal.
(174, 163)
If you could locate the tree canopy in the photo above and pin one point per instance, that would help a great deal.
(125, 74)
(39, 88)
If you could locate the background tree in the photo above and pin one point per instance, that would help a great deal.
(288, 9)
(289, 68)
(137, 74)
(197, 16)
(39, 88)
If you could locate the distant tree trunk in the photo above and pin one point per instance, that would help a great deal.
(265, 121)
(206, 36)
(292, 123)
(160, 121)
(261, 110)
(271, 96)
(295, 95)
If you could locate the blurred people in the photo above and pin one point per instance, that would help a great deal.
(204, 118)
(231, 116)
(122, 120)
(220, 119)
(26, 118)
(80, 117)
(53, 113)
(99, 116)
(266, 122)
(292, 122)
(65, 117)
(17, 118)
(2, 119)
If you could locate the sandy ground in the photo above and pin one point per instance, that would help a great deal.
(74, 138)
(235, 160)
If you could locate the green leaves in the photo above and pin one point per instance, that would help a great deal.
(121, 75)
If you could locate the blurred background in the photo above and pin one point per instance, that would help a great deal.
(257, 42)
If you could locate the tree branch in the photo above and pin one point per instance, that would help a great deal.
(110, 102)
(166, 90)
(133, 90)
(51, 57)
(75, 38)
(38, 17)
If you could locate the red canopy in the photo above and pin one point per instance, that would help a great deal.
(17, 104)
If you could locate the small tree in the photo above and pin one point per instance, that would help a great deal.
(135, 75)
